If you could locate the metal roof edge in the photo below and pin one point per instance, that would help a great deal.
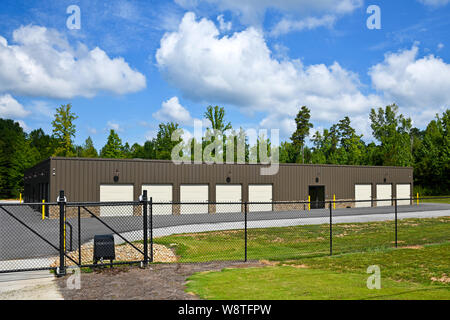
(190, 163)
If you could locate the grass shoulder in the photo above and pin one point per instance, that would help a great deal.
(408, 273)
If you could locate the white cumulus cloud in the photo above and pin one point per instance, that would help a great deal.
(286, 25)
(240, 70)
(224, 26)
(411, 81)
(41, 62)
(252, 12)
(11, 108)
(114, 126)
(172, 110)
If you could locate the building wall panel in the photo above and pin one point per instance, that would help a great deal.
(81, 178)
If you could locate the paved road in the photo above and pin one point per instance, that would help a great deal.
(18, 242)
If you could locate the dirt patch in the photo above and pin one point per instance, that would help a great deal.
(341, 235)
(276, 263)
(269, 263)
(297, 266)
(157, 282)
(207, 234)
(412, 247)
(277, 240)
(443, 279)
(124, 252)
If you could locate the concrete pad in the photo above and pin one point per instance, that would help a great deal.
(34, 285)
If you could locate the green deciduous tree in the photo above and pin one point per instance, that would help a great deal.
(432, 156)
(351, 149)
(163, 142)
(393, 132)
(43, 143)
(64, 131)
(216, 117)
(16, 155)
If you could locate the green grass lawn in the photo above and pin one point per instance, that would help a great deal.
(405, 274)
(303, 269)
(306, 241)
(447, 200)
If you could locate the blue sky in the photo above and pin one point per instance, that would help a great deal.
(134, 64)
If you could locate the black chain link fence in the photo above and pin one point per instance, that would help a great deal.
(58, 235)
(28, 241)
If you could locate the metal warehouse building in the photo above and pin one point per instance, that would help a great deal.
(99, 180)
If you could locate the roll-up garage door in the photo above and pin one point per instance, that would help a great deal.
(160, 194)
(363, 192)
(116, 193)
(193, 193)
(384, 191)
(228, 193)
(260, 193)
(403, 192)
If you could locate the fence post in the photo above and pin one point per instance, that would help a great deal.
(395, 222)
(62, 202)
(331, 229)
(79, 235)
(151, 229)
(145, 227)
(245, 229)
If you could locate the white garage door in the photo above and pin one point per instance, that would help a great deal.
(228, 193)
(160, 194)
(260, 193)
(193, 193)
(403, 192)
(116, 193)
(384, 191)
(363, 192)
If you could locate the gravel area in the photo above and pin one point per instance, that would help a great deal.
(157, 282)
(124, 252)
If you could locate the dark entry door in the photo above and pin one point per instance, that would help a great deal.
(317, 194)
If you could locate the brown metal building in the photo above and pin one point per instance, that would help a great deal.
(93, 180)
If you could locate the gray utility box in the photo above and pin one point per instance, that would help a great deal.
(104, 248)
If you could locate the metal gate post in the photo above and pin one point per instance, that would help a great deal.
(396, 222)
(331, 229)
(245, 231)
(151, 229)
(145, 227)
(61, 271)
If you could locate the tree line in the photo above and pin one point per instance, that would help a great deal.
(397, 143)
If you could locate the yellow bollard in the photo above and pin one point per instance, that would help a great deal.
(309, 203)
(20, 198)
(334, 201)
(43, 210)
(64, 233)
(417, 198)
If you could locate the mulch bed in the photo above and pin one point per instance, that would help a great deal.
(157, 282)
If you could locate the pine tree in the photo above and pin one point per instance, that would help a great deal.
(303, 126)
(113, 148)
(88, 150)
